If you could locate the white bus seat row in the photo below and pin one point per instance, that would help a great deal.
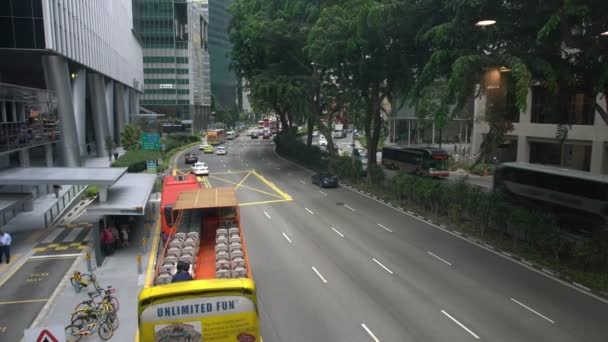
(235, 238)
(163, 278)
(234, 230)
(239, 272)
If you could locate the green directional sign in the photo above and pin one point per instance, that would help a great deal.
(150, 141)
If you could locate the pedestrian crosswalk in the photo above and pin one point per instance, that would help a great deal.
(64, 240)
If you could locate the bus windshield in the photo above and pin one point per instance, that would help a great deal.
(434, 164)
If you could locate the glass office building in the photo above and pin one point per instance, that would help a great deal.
(223, 81)
(176, 59)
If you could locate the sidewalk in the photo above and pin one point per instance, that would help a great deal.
(119, 270)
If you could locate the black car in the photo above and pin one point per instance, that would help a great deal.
(325, 180)
(254, 135)
(191, 158)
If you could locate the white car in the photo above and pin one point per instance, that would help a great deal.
(221, 150)
(202, 146)
(322, 141)
(200, 169)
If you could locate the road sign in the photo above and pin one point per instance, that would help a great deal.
(54, 333)
(151, 166)
(139, 259)
(150, 141)
(88, 256)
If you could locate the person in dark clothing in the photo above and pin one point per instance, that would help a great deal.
(56, 189)
(182, 273)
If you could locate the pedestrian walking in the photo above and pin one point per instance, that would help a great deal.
(56, 189)
(5, 246)
(125, 236)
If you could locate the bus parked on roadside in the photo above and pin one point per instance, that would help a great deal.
(427, 161)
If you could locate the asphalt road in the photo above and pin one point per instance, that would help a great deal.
(334, 265)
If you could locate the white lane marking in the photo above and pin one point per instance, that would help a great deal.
(319, 274)
(287, 238)
(50, 256)
(431, 253)
(381, 265)
(301, 181)
(460, 324)
(337, 232)
(265, 213)
(350, 208)
(370, 333)
(309, 211)
(536, 312)
(383, 227)
(324, 194)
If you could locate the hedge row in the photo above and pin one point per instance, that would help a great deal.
(288, 144)
(492, 216)
(176, 140)
(136, 161)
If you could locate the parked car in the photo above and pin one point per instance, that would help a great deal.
(200, 169)
(208, 149)
(254, 135)
(325, 180)
(322, 141)
(191, 158)
(221, 150)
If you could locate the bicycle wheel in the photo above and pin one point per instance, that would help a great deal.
(115, 303)
(72, 333)
(76, 284)
(83, 305)
(105, 331)
(113, 320)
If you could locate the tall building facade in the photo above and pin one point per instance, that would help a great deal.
(70, 75)
(176, 59)
(223, 80)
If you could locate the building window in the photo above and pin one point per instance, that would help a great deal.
(577, 109)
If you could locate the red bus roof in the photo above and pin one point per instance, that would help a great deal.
(174, 185)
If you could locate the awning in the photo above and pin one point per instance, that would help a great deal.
(129, 196)
(103, 176)
(206, 198)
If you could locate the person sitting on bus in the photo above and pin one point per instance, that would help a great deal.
(182, 273)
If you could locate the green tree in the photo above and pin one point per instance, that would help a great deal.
(109, 146)
(130, 137)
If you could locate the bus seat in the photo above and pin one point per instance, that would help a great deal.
(234, 230)
(234, 239)
(163, 278)
(239, 272)
(193, 235)
(189, 242)
(237, 253)
(221, 238)
(180, 236)
(168, 267)
(174, 251)
(237, 262)
(222, 274)
(176, 243)
(189, 250)
(222, 231)
(186, 258)
(235, 245)
(221, 247)
(221, 254)
(222, 264)
(171, 258)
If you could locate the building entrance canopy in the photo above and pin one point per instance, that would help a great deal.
(128, 196)
(101, 176)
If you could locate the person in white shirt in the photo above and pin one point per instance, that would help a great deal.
(5, 246)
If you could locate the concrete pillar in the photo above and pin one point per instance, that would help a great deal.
(100, 117)
(57, 73)
(598, 157)
(133, 105)
(523, 149)
(121, 110)
(79, 92)
(103, 193)
(24, 158)
(109, 91)
(48, 155)
(14, 117)
(3, 111)
(126, 98)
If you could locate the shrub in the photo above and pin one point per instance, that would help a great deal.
(375, 174)
(135, 161)
(346, 167)
(91, 191)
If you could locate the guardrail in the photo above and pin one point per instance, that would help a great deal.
(53, 213)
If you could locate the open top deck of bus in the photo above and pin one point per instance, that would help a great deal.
(207, 234)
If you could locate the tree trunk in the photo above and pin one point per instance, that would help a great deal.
(290, 119)
(376, 121)
(283, 119)
(311, 125)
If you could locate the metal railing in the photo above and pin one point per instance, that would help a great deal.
(53, 213)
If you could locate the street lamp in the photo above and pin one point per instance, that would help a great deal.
(604, 34)
(486, 22)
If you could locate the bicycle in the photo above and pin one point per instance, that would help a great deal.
(104, 310)
(81, 328)
(79, 282)
(106, 297)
